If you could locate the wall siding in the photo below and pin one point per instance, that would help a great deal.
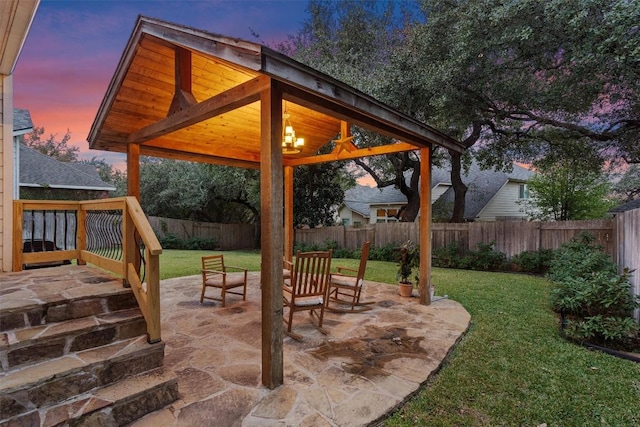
(503, 204)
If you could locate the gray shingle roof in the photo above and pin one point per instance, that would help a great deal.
(38, 170)
(21, 121)
(483, 185)
(629, 206)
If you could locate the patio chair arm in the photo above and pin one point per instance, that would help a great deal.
(341, 269)
(235, 268)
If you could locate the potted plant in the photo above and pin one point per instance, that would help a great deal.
(406, 263)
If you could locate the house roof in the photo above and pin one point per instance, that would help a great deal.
(21, 121)
(628, 206)
(483, 186)
(38, 170)
(189, 94)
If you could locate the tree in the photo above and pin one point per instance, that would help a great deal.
(106, 171)
(628, 187)
(317, 192)
(51, 147)
(570, 184)
(199, 192)
(498, 74)
(354, 42)
(492, 74)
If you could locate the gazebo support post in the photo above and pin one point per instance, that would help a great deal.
(133, 170)
(425, 226)
(272, 235)
(288, 212)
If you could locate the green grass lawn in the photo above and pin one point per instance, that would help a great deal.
(510, 369)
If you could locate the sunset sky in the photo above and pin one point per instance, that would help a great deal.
(73, 49)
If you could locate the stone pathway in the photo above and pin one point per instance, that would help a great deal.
(367, 365)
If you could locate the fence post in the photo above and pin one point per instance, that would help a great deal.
(18, 212)
(81, 236)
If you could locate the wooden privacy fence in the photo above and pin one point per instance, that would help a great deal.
(509, 237)
(227, 236)
(628, 244)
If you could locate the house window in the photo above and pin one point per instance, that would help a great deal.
(524, 191)
(386, 215)
(345, 221)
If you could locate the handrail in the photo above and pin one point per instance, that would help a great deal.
(113, 234)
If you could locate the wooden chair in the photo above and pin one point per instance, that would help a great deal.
(345, 286)
(307, 288)
(224, 277)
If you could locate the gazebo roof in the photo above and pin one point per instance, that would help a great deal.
(188, 94)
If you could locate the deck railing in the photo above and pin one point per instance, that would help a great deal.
(112, 234)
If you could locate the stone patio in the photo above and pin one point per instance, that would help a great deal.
(365, 367)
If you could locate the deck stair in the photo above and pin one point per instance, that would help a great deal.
(74, 351)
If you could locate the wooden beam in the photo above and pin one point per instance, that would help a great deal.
(133, 170)
(424, 283)
(198, 157)
(236, 97)
(355, 154)
(345, 142)
(271, 220)
(183, 96)
(288, 212)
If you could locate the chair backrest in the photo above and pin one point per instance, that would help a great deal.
(213, 262)
(363, 260)
(311, 273)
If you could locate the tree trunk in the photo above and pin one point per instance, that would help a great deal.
(459, 188)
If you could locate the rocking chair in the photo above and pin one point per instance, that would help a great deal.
(345, 287)
(306, 290)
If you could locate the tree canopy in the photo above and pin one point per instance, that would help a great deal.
(51, 146)
(496, 75)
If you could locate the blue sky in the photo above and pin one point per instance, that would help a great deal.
(73, 49)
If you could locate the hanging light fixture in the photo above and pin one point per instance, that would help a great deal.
(290, 144)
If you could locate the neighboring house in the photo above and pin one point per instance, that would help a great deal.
(16, 17)
(491, 196)
(45, 178)
(22, 125)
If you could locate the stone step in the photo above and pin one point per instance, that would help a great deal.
(114, 405)
(36, 344)
(38, 297)
(49, 383)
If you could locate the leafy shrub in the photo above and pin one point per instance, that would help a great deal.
(198, 243)
(537, 262)
(484, 259)
(343, 253)
(312, 247)
(447, 256)
(595, 301)
(408, 259)
(388, 253)
(580, 257)
(172, 241)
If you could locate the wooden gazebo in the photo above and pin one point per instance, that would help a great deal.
(187, 94)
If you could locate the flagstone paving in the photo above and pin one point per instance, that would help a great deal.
(365, 367)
